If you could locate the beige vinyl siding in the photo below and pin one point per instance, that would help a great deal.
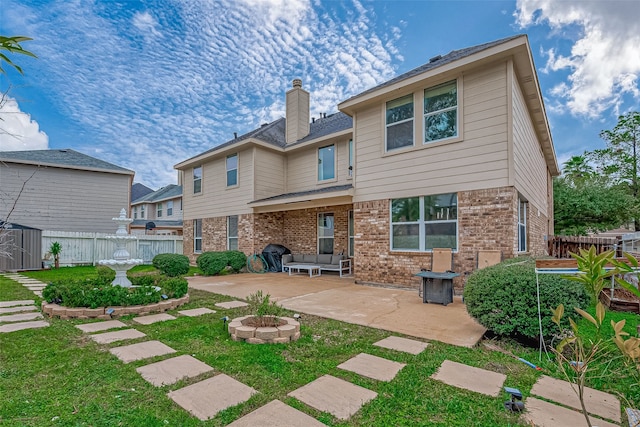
(529, 164)
(302, 167)
(58, 199)
(478, 161)
(216, 199)
(269, 173)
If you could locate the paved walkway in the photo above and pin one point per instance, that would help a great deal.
(329, 296)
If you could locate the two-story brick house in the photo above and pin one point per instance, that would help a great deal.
(456, 153)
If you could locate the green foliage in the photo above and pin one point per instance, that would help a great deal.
(174, 287)
(55, 249)
(236, 260)
(106, 274)
(265, 311)
(144, 279)
(212, 263)
(13, 45)
(503, 299)
(173, 265)
(594, 277)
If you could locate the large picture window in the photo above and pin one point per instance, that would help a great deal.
(197, 180)
(522, 225)
(424, 223)
(232, 233)
(197, 235)
(441, 112)
(399, 123)
(232, 170)
(326, 163)
(325, 233)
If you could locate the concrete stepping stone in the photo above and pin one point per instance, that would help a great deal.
(633, 416)
(18, 309)
(402, 344)
(470, 378)
(333, 395)
(206, 398)
(142, 350)
(374, 367)
(231, 304)
(20, 317)
(36, 287)
(276, 414)
(12, 327)
(172, 370)
(194, 312)
(38, 293)
(16, 303)
(545, 414)
(153, 318)
(100, 326)
(115, 336)
(598, 403)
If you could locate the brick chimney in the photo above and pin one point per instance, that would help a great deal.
(297, 112)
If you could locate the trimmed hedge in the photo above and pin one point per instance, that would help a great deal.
(212, 263)
(502, 298)
(173, 265)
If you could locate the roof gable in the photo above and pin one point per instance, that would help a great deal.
(64, 158)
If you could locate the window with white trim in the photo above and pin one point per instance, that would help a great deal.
(197, 235)
(135, 212)
(399, 123)
(232, 170)
(351, 232)
(325, 233)
(522, 224)
(350, 157)
(326, 163)
(159, 210)
(141, 211)
(170, 208)
(423, 223)
(441, 112)
(232, 233)
(197, 180)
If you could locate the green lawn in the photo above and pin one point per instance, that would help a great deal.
(56, 376)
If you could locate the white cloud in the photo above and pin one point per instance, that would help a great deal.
(604, 61)
(17, 131)
(147, 24)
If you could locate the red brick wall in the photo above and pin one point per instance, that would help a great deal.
(538, 228)
(267, 228)
(301, 229)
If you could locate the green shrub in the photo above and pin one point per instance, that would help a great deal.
(173, 265)
(174, 287)
(212, 263)
(236, 260)
(502, 298)
(105, 274)
(145, 279)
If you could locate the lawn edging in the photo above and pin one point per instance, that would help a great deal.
(56, 310)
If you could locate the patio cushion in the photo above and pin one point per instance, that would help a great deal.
(324, 259)
(335, 259)
(310, 258)
(298, 258)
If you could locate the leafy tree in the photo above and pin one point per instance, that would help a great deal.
(13, 45)
(578, 169)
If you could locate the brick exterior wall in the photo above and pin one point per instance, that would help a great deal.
(301, 229)
(538, 228)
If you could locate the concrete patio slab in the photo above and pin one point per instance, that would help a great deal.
(172, 370)
(18, 309)
(206, 398)
(194, 312)
(142, 350)
(598, 403)
(276, 414)
(20, 317)
(545, 414)
(231, 304)
(100, 326)
(115, 336)
(16, 303)
(374, 367)
(402, 344)
(470, 378)
(335, 396)
(153, 318)
(12, 327)
(330, 296)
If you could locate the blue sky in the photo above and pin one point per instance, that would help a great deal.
(147, 84)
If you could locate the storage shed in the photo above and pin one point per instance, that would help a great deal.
(20, 247)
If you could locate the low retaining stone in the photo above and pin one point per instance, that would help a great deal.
(55, 310)
(241, 330)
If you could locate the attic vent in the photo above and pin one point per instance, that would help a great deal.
(62, 151)
(435, 58)
(235, 135)
(263, 125)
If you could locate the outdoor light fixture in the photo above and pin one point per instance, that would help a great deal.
(515, 404)
(296, 316)
(163, 296)
(109, 311)
(224, 319)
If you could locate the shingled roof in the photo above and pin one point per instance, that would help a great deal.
(64, 158)
(171, 191)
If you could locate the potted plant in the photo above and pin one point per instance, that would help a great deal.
(55, 250)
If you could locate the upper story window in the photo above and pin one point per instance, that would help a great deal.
(141, 211)
(197, 180)
(159, 210)
(399, 123)
(441, 112)
(350, 157)
(170, 208)
(232, 170)
(135, 212)
(326, 163)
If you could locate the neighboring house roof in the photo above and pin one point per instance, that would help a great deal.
(138, 190)
(171, 191)
(158, 222)
(63, 158)
(307, 193)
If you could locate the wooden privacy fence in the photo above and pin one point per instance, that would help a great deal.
(89, 248)
(561, 246)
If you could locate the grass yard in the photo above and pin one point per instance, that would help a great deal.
(57, 376)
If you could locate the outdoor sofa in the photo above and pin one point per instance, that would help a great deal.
(324, 262)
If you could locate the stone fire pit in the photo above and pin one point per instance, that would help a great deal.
(287, 330)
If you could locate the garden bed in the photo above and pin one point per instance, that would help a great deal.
(56, 310)
(622, 300)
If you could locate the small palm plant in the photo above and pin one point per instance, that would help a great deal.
(55, 250)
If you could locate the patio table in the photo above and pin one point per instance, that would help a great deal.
(314, 270)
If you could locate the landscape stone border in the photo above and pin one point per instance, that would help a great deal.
(55, 310)
(285, 333)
